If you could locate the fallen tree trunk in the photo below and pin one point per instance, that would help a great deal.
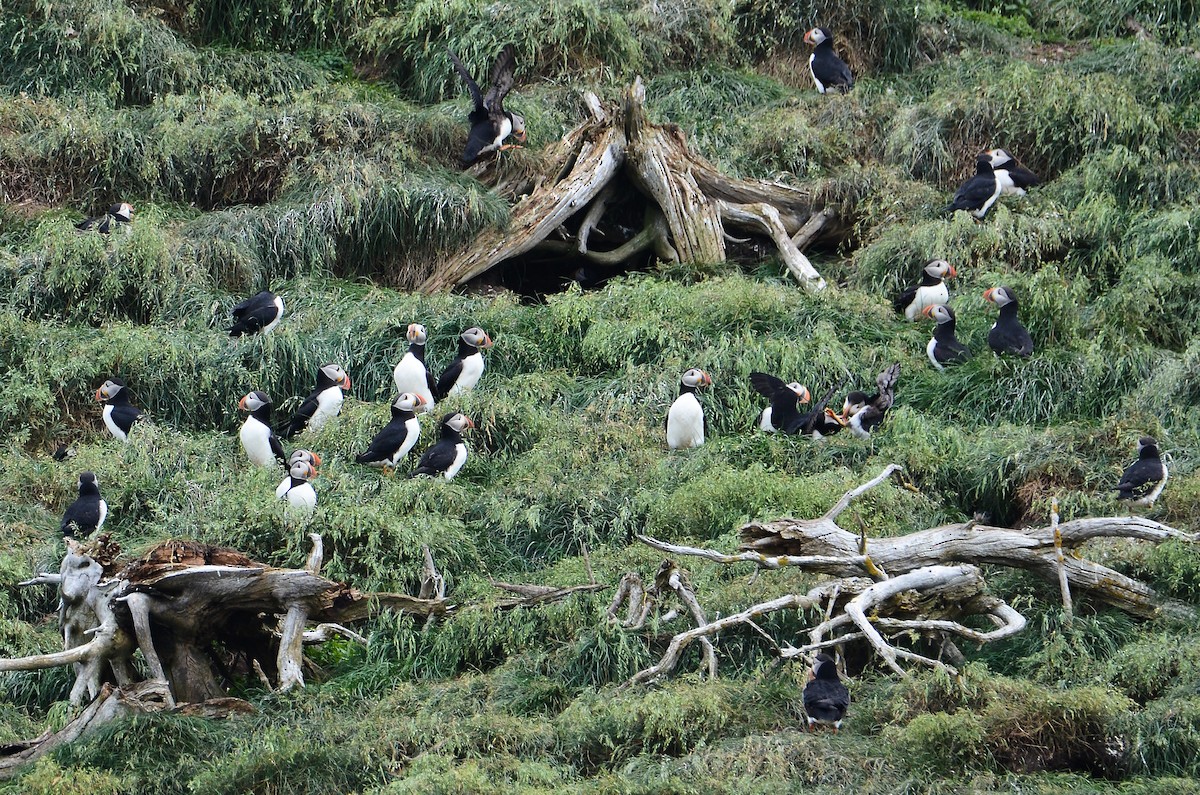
(924, 583)
(617, 156)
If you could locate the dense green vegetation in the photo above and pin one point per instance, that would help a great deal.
(311, 147)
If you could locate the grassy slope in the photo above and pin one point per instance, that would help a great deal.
(256, 160)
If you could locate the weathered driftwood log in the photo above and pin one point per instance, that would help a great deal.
(925, 582)
(197, 612)
(614, 155)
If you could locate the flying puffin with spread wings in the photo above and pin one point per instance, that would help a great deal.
(490, 122)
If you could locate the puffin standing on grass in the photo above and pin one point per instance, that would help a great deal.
(447, 456)
(261, 312)
(863, 413)
(397, 437)
(86, 515)
(980, 192)
(1012, 176)
(119, 414)
(826, 698)
(828, 71)
(296, 489)
(467, 368)
(944, 348)
(118, 213)
(410, 374)
(323, 403)
(685, 419)
(1144, 479)
(782, 415)
(490, 122)
(932, 290)
(261, 444)
(1007, 335)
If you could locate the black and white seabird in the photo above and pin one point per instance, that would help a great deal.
(117, 214)
(261, 312)
(307, 456)
(685, 418)
(944, 348)
(826, 698)
(86, 515)
(932, 290)
(782, 415)
(1013, 177)
(449, 453)
(829, 72)
(119, 413)
(979, 193)
(1007, 335)
(467, 368)
(490, 122)
(410, 374)
(1144, 479)
(261, 444)
(863, 413)
(296, 489)
(323, 403)
(397, 437)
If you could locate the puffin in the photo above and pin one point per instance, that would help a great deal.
(491, 124)
(685, 419)
(121, 213)
(449, 453)
(261, 444)
(1013, 177)
(86, 515)
(467, 368)
(782, 415)
(119, 413)
(397, 437)
(826, 698)
(410, 374)
(979, 193)
(307, 456)
(944, 348)
(1007, 335)
(296, 489)
(863, 413)
(323, 403)
(932, 290)
(1144, 479)
(261, 312)
(828, 70)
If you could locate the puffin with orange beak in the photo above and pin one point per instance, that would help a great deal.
(944, 347)
(863, 413)
(782, 415)
(1007, 335)
(323, 403)
(491, 124)
(296, 488)
(447, 456)
(932, 290)
(685, 419)
(261, 444)
(397, 437)
(829, 72)
(119, 414)
(980, 192)
(411, 374)
(121, 213)
(467, 368)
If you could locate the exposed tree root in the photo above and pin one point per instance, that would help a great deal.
(618, 153)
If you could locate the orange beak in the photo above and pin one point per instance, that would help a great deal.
(808, 37)
(99, 396)
(987, 294)
(928, 311)
(470, 423)
(316, 459)
(420, 400)
(345, 383)
(242, 403)
(805, 396)
(952, 271)
(487, 341)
